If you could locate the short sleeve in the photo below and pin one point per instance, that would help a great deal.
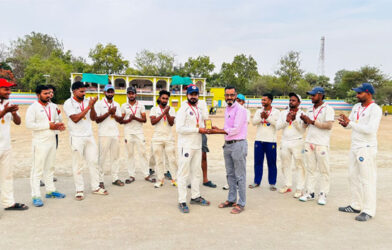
(69, 109)
(153, 112)
(330, 114)
(142, 109)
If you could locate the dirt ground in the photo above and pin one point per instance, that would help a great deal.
(137, 216)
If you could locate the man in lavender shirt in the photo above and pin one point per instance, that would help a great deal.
(235, 151)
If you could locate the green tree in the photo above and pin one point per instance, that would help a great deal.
(107, 59)
(384, 93)
(290, 71)
(241, 73)
(22, 49)
(346, 80)
(155, 64)
(58, 71)
(200, 66)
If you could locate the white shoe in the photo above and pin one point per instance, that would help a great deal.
(297, 194)
(225, 187)
(158, 184)
(285, 189)
(322, 200)
(307, 197)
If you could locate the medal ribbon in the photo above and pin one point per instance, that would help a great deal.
(359, 109)
(268, 114)
(315, 117)
(196, 114)
(134, 113)
(48, 114)
(164, 117)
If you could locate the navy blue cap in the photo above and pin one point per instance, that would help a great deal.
(192, 89)
(365, 87)
(131, 89)
(316, 90)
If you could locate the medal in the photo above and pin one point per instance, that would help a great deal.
(359, 111)
(197, 125)
(164, 117)
(48, 114)
(133, 113)
(264, 124)
(2, 120)
(290, 126)
(265, 119)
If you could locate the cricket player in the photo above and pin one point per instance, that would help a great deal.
(42, 119)
(134, 114)
(162, 118)
(292, 145)
(8, 113)
(319, 120)
(81, 112)
(265, 144)
(364, 121)
(190, 126)
(108, 115)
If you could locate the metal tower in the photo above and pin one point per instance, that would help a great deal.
(321, 62)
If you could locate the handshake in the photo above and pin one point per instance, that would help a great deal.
(213, 130)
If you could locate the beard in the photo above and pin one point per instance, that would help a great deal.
(230, 103)
(163, 104)
(43, 100)
(109, 98)
(192, 101)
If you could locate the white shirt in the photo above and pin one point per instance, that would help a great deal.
(134, 127)
(323, 113)
(365, 128)
(5, 126)
(266, 129)
(162, 129)
(186, 126)
(38, 118)
(107, 127)
(59, 116)
(83, 127)
(295, 131)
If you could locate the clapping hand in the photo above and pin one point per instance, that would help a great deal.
(343, 120)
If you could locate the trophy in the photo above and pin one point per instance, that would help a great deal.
(208, 124)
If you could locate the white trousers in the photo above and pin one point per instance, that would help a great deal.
(317, 159)
(363, 179)
(136, 150)
(84, 148)
(188, 164)
(109, 149)
(160, 149)
(44, 155)
(6, 179)
(293, 150)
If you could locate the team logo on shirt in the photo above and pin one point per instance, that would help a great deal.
(323, 153)
(268, 124)
(186, 154)
(361, 159)
(191, 113)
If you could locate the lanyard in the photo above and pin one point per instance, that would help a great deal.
(315, 117)
(111, 105)
(164, 117)
(134, 113)
(48, 114)
(196, 115)
(81, 105)
(359, 109)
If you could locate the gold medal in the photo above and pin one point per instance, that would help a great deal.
(265, 125)
(2, 121)
(164, 123)
(197, 125)
(290, 126)
(84, 118)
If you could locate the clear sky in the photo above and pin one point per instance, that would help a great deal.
(358, 32)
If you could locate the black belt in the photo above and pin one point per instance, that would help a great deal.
(233, 141)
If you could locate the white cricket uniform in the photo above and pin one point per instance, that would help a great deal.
(83, 144)
(189, 150)
(292, 146)
(38, 118)
(163, 144)
(316, 148)
(108, 139)
(134, 139)
(266, 128)
(6, 170)
(362, 160)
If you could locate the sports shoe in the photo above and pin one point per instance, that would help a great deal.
(158, 184)
(307, 197)
(183, 207)
(200, 201)
(37, 202)
(297, 194)
(273, 188)
(173, 183)
(363, 217)
(349, 209)
(322, 200)
(285, 189)
(55, 194)
(225, 187)
(168, 175)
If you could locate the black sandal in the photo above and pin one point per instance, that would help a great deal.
(152, 180)
(130, 180)
(17, 206)
(118, 183)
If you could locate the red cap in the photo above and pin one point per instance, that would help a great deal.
(5, 83)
